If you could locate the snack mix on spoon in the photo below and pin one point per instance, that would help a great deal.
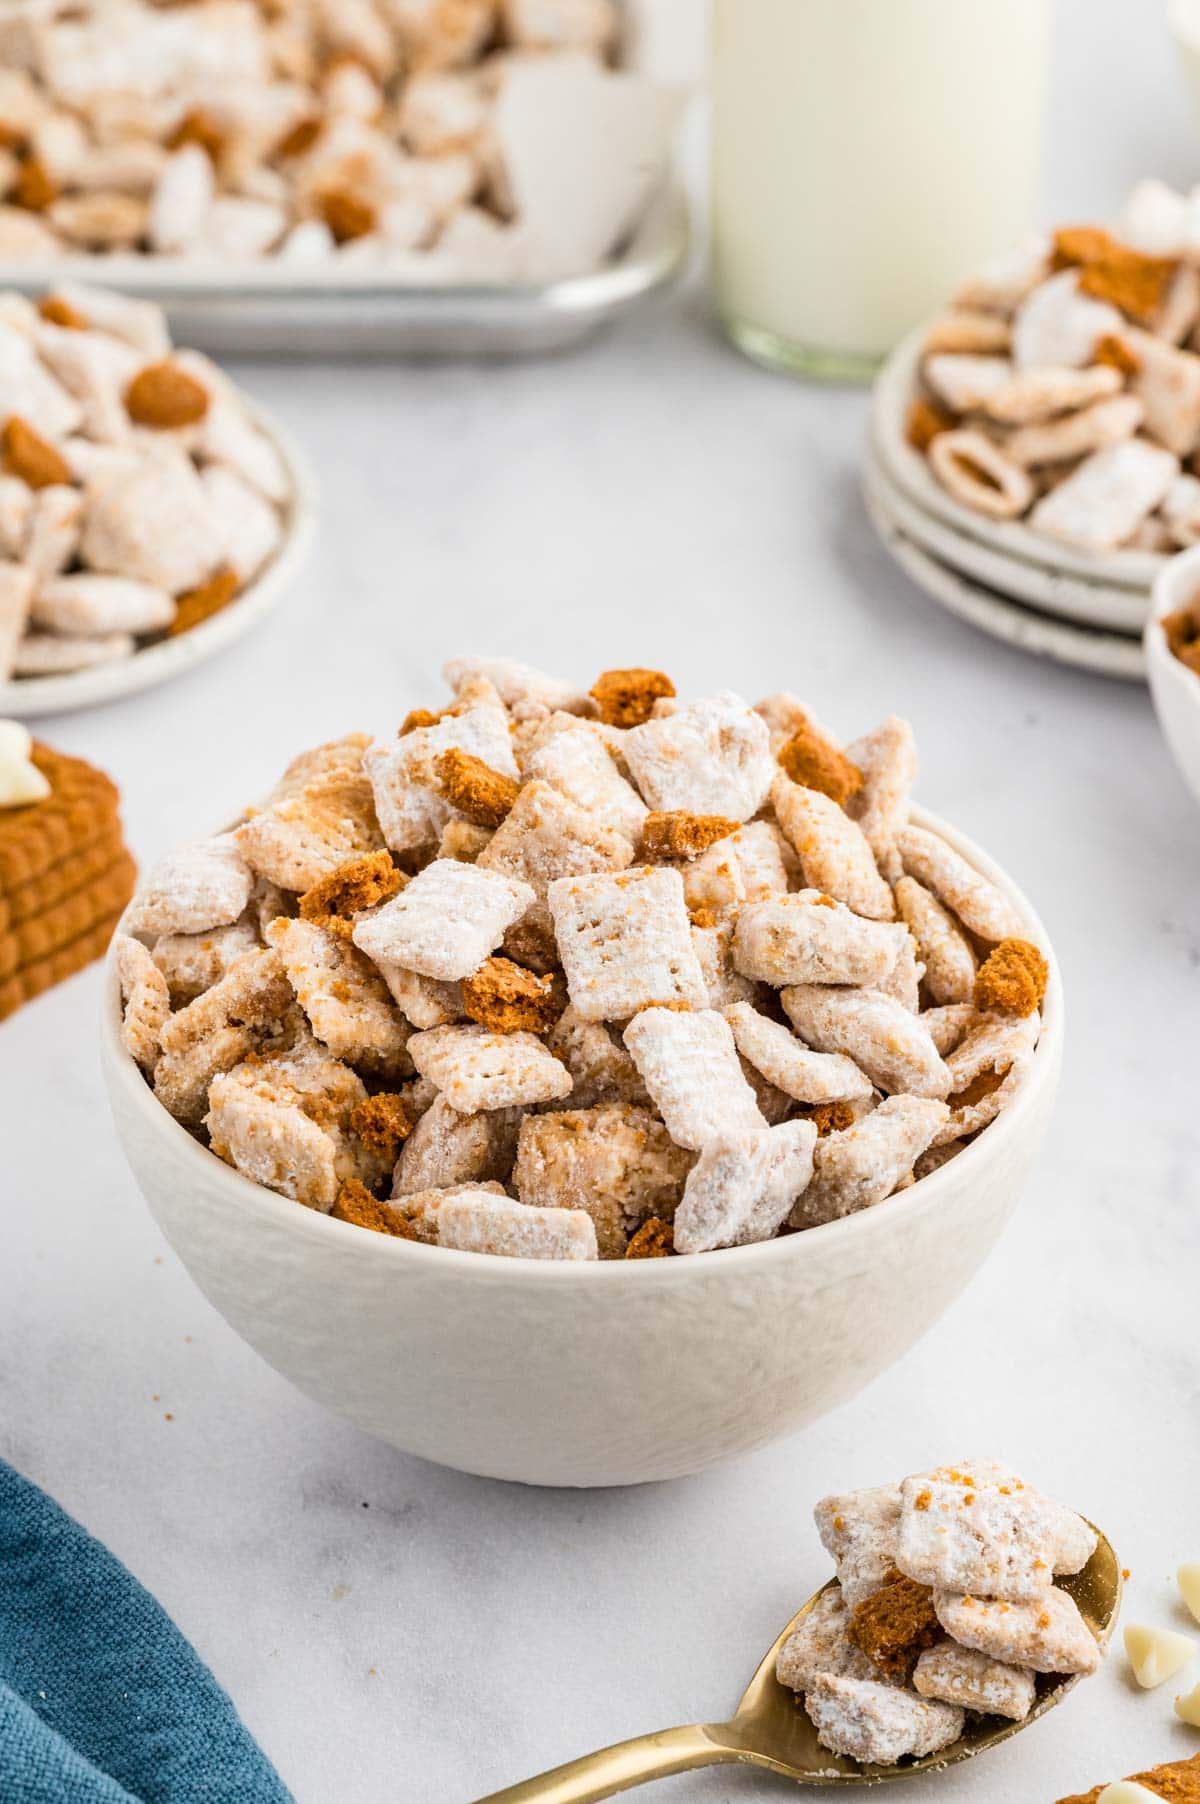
(137, 495)
(445, 140)
(1063, 386)
(566, 974)
(944, 1603)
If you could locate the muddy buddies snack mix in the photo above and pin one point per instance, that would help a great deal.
(1062, 388)
(575, 974)
(894, 1654)
(452, 140)
(138, 496)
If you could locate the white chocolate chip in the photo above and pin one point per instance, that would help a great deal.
(20, 779)
(1187, 1707)
(1156, 1654)
(1127, 1791)
(1188, 1578)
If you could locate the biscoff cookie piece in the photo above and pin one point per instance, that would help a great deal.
(1012, 979)
(626, 698)
(978, 904)
(305, 835)
(146, 999)
(447, 1148)
(578, 763)
(894, 1626)
(788, 1064)
(746, 866)
(887, 757)
(710, 757)
(833, 850)
(947, 953)
(193, 962)
(546, 836)
(382, 1124)
(689, 1064)
(480, 1223)
(813, 761)
(810, 938)
(877, 1723)
(1045, 1633)
(614, 1161)
(682, 835)
(601, 1069)
(506, 998)
(625, 943)
(349, 890)
(478, 1071)
(820, 1645)
(483, 795)
(200, 887)
(960, 1675)
(403, 772)
(447, 921)
(743, 1185)
(858, 1530)
(978, 1528)
(986, 1070)
(283, 1123)
(348, 1005)
(884, 1039)
(863, 1164)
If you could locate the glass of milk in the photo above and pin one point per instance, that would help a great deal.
(867, 156)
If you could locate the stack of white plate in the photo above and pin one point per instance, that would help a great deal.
(1000, 576)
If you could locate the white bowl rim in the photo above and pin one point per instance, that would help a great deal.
(1181, 572)
(67, 691)
(272, 1207)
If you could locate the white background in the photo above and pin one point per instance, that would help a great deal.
(651, 500)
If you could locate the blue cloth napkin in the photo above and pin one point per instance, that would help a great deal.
(102, 1701)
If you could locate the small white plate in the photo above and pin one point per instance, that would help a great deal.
(1051, 591)
(1086, 648)
(28, 697)
(894, 390)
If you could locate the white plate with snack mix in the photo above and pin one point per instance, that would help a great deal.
(957, 1603)
(1044, 635)
(1053, 412)
(149, 514)
(1056, 592)
(454, 1060)
(488, 178)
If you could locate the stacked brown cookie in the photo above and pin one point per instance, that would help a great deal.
(65, 876)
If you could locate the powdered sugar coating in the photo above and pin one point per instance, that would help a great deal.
(833, 850)
(476, 1070)
(884, 1038)
(190, 891)
(481, 1223)
(625, 942)
(979, 1528)
(809, 938)
(950, 961)
(978, 904)
(863, 1164)
(1046, 1633)
(858, 1530)
(710, 757)
(786, 1062)
(447, 921)
(878, 1724)
(743, 1185)
(401, 771)
(616, 1162)
(963, 1676)
(146, 998)
(820, 1645)
(347, 1003)
(446, 1148)
(579, 763)
(689, 1064)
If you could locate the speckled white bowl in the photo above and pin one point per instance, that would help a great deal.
(1176, 689)
(583, 1374)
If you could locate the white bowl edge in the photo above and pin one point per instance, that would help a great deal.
(1175, 689)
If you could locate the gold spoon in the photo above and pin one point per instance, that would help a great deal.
(770, 1729)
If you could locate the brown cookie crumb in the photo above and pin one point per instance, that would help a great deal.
(655, 1239)
(1182, 629)
(1176, 1783)
(199, 127)
(894, 1625)
(678, 834)
(359, 883)
(1113, 272)
(1012, 979)
(300, 137)
(982, 1084)
(1117, 355)
(417, 717)
(57, 312)
(1074, 245)
(382, 1123)
(815, 762)
(25, 453)
(195, 605)
(830, 1117)
(35, 188)
(165, 396)
(925, 420)
(345, 214)
(508, 999)
(356, 1204)
(626, 698)
(484, 795)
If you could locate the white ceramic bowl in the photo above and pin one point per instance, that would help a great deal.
(1176, 690)
(583, 1374)
(27, 698)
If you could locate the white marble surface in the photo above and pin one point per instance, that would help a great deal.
(395, 1632)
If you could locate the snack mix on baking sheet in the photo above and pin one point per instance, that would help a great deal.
(65, 871)
(944, 1604)
(569, 974)
(1063, 386)
(137, 495)
(324, 133)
